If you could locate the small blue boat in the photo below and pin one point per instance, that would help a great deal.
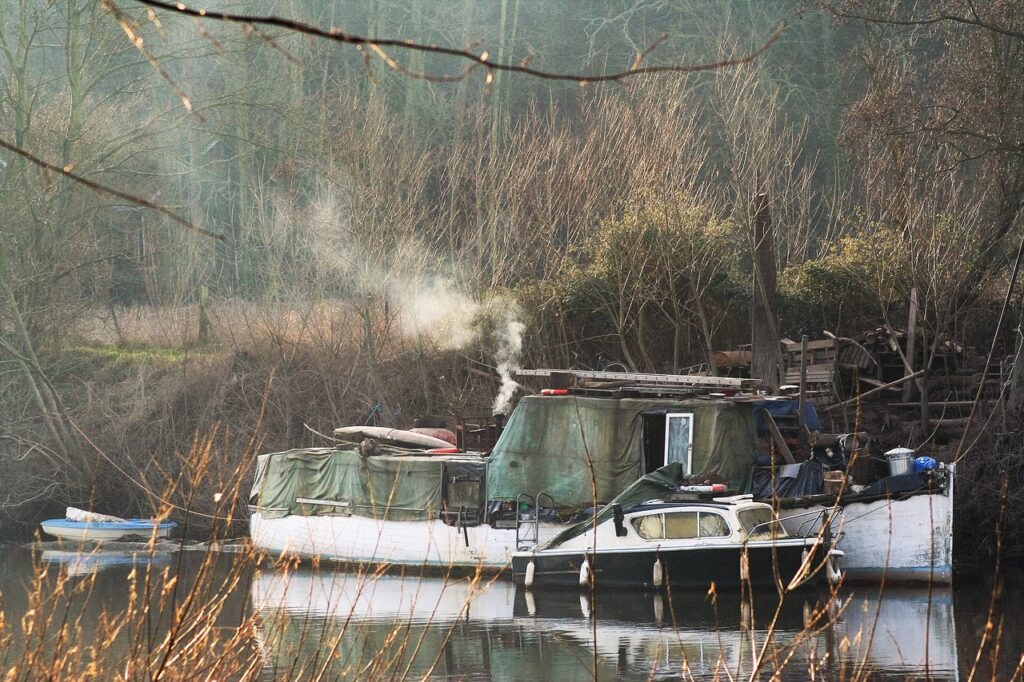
(99, 529)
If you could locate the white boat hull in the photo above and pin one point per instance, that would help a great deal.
(904, 540)
(99, 532)
(359, 539)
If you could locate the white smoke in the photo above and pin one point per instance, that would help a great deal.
(510, 348)
(436, 308)
(428, 301)
(441, 311)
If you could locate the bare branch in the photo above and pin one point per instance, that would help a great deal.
(977, 21)
(139, 44)
(377, 44)
(110, 191)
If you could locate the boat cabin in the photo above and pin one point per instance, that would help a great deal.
(665, 542)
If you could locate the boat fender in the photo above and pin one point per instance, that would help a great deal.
(585, 609)
(833, 574)
(744, 567)
(659, 573)
(531, 569)
(531, 603)
(585, 572)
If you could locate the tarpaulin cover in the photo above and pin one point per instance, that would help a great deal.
(653, 486)
(397, 486)
(793, 480)
(784, 408)
(550, 442)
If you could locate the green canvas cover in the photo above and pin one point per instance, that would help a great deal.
(653, 486)
(398, 486)
(550, 442)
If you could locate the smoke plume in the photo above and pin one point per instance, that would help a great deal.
(510, 348)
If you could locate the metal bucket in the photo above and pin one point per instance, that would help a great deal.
(901, 461)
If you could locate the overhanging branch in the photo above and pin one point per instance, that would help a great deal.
(377, 44)
(110, 191)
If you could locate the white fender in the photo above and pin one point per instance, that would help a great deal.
(585, 572)
(531, 604)
(531, 569)
(744, 567)
(833, 574)
(659, 573)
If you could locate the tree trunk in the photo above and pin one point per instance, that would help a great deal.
(764, 364)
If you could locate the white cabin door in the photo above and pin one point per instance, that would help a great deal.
(679, 439)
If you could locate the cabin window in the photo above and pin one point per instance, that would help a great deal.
(679, 439)
(650, 527)
(713, 526)
(463, 490)
(760, 523)
(681, 526)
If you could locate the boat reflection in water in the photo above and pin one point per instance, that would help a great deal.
(370, 626)
(88, 561)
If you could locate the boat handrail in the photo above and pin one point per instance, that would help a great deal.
(816, 515)
(527, 520)
(754, 531)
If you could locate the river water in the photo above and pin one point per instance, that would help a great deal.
(303, 621)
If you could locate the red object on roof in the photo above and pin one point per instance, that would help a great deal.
(440, 434)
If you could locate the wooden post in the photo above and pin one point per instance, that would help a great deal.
(764, 362)
(923, 388)
(803, 389)
(204, 318)
(1003, 397)
(911, 344)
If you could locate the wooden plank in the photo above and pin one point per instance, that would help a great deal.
(911, 338)
(668, 379)
(873, 382)
(876, 390)
(816, 345)
(802, 404)
(957, 422)
(939, 405)
(793, 377)
(780, 442)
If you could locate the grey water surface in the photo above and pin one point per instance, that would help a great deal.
(307, 620)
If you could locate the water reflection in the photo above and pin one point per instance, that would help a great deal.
(88, 562)
(356, 626)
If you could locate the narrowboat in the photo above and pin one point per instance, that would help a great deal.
(567, 452)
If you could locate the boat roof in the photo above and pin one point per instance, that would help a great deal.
(713, 503)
